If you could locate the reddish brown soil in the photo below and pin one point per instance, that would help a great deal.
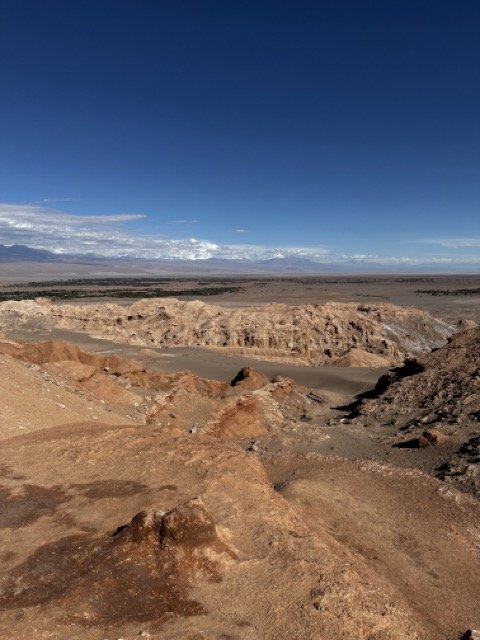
(118, 520)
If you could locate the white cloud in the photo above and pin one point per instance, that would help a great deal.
(408, 260)
(453, 243)
(53, 200)
(15, 214)
(241, 231)
(46, 228)
(64, 233)
(42, 227)
(184, 221)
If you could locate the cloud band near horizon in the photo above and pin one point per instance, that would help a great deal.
(41, 227)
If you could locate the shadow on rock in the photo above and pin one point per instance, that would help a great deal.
(143, 571)
(30, 504)
(410, 367)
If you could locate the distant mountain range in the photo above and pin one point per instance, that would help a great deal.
(216, 266)
(22, 253)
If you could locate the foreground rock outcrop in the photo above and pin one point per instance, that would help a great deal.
(306, 334)
(144, 570)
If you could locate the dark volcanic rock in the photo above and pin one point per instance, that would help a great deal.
(441, 388)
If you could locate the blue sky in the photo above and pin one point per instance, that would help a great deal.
(199, 129)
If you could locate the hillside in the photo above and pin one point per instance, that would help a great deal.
(137, 504)
(433, 401)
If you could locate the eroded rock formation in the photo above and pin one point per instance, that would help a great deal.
(434, 400)
(308, 334)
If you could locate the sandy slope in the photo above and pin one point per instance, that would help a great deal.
(306, 547)
(30, 399)
(413, 531)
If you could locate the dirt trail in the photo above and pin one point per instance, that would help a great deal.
(415, 532)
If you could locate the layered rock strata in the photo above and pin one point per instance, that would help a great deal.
(347, 334)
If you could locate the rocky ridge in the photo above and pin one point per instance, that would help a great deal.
(434, 400)
(348, 334)
(250, 407)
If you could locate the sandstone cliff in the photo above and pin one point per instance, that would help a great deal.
(305, 334)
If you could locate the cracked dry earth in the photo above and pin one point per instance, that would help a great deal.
(138, 504)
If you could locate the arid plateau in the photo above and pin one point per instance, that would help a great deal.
(293, 458)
